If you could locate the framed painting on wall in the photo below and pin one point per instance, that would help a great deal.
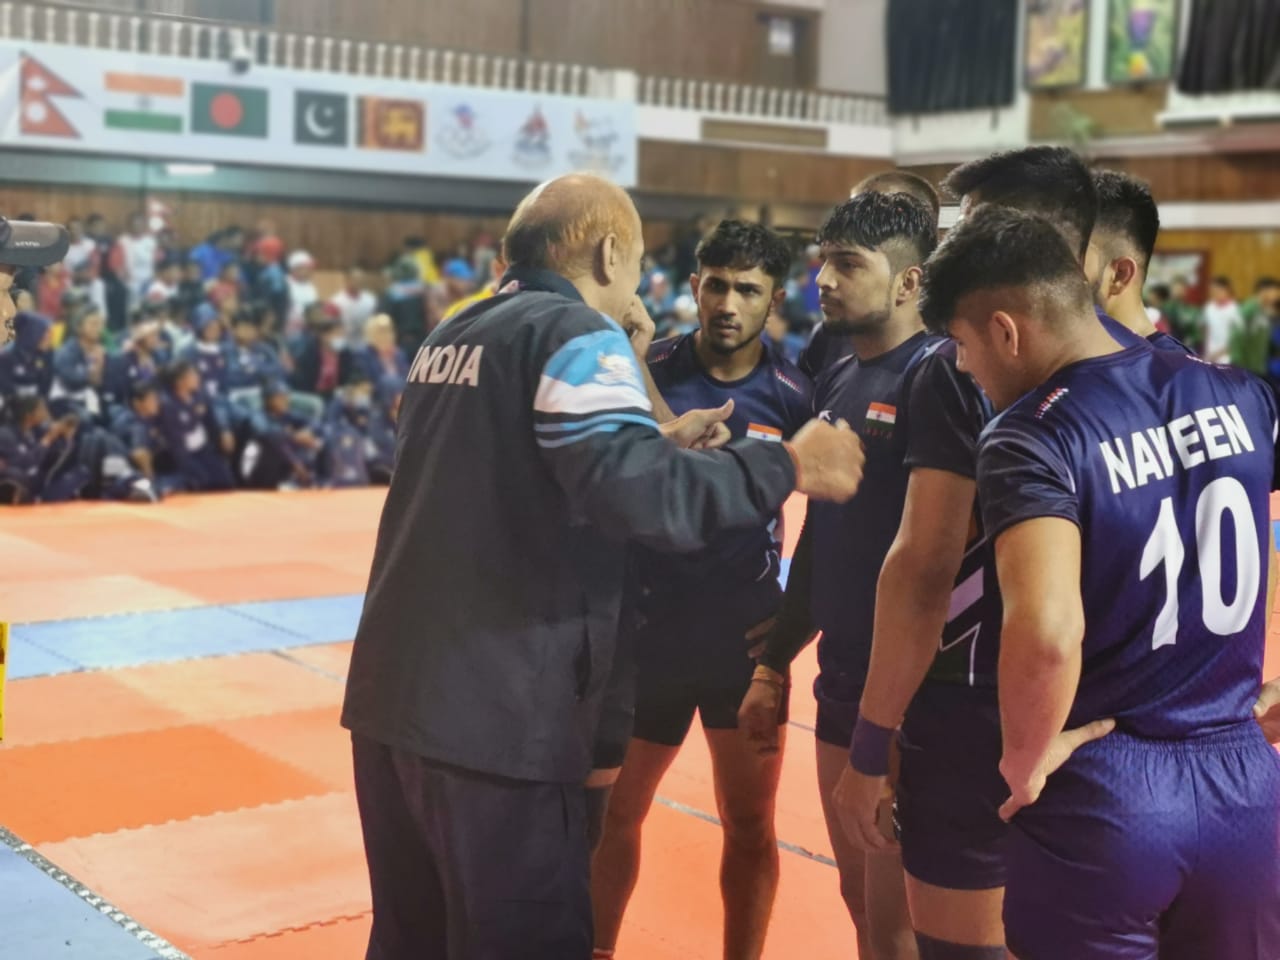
(1142, 37)
(1056, 50)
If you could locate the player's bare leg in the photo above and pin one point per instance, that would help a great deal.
(746, 786)
(872, 886)
(971, 918)
(616, 864)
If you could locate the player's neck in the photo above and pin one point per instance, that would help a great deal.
(1091, 341)
(899, 328)
(1132, 313)
(728, 367)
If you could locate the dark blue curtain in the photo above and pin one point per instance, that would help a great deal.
(1232, 45)
(951, 54)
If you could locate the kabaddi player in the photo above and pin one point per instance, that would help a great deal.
(1127, 494)
(938, 616)
(873, 246)
(1120, 248)
(697, 608)
(824, 348)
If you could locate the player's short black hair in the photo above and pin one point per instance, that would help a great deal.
(175, 372)
(742, 246)
(897, 224)
(997, 248)
(142, 389)
(1127, 210)
(1050, 181)
(901, 181)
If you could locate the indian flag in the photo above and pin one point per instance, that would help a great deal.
(140, 102)
(758, 431)
(881, 416)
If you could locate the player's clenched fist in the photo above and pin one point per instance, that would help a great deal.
(828, 460)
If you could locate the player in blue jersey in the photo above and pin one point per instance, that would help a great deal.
(873, 246)
(690, 652)
(1127, 494)
(1120, 249)
(824, 347)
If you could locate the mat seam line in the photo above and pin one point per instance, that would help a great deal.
(102, 905)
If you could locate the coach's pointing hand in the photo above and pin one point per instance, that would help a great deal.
(828, 460)
(700, 429)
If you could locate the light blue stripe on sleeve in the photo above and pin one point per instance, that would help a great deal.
(572, 425)
(579, 361)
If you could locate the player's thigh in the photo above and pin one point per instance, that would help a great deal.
(946, 807)
(850, 859)
(637, 782)
(1229, 907)
(969, 917)
(746, 783)
(1101, 855)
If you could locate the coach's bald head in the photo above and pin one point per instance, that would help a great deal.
(587, 230)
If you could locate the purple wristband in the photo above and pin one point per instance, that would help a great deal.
(869, 752)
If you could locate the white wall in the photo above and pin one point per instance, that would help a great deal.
(852, 47)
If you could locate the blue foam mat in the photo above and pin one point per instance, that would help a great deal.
(42, 919)
(318, 620)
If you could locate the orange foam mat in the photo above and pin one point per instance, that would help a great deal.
(340, 939)
(83, 787)
(72, 706)
(332, 658)
(222, 688)
(231, 876)
(675, 912)
(309, 740)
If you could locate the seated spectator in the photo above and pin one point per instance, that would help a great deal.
(270, 283)
(26, 366)
(318, 353)
(347, 431)
(86, 286)
(381, 446)
(208, 352)
(225, 287)
(52, 461)
(380, 357)
(355, 305)
(79, 367)
(191, 431)
(167, 283)
(137, 426)
(496, 269)
(139, 362)
(190, 291)
(405, 301)
(51, 287)
(251, 362)
(284, 447)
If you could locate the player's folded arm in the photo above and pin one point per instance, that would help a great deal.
(793, 627)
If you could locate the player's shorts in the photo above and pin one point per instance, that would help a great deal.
(618, 708)
(1138, 848)
(693, 659)
(839, 696)
(950, 789)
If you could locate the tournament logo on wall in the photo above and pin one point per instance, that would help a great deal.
(392, 124)
(320, 119)
(533, 141)
(598, 145)
(462, 136)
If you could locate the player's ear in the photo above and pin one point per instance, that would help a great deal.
(908, 284)
(1004, 330)
(695, 282)
(1125, 273)
(779, 296)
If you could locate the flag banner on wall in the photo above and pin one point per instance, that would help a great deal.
(1057, 43)
(168, 108)
(1141, 39)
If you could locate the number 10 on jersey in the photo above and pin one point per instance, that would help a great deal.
(1164, 548)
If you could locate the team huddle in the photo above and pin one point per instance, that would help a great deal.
(1042, 617)
(1036, 550)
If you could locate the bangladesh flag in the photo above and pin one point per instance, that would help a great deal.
(229, 111)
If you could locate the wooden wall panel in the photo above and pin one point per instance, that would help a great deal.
(1210, 177)
(336, 236)
(1243, 255)
(1116, 112)
(761, 176)
(488, 26)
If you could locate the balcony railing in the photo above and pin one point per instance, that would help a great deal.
(172, 36)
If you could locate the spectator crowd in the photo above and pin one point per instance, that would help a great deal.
(141, 369)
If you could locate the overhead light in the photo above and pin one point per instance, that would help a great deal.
(190, 169)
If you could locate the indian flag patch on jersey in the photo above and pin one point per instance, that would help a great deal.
(880, 419)
(758, 431)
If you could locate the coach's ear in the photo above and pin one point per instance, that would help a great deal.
(1005, 333)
